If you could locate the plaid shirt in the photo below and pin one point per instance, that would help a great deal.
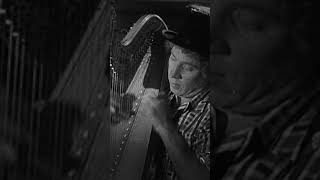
(194, 121)
(285, 145)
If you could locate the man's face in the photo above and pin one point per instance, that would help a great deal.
(250, 54)
(184, 72)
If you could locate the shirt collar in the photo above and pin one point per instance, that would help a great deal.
(287, 112)
(193, 104)
(277, 121)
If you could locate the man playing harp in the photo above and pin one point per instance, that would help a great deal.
(183, 117)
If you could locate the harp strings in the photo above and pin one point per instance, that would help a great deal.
(123, 68)
(126, 67)
(23, 83)
(8, 77)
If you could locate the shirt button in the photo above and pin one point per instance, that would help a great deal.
(316, 140)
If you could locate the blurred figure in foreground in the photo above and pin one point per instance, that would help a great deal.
(265, 85)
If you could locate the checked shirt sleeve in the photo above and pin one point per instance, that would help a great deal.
(202, 138)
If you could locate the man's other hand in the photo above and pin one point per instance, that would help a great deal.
(156, 108)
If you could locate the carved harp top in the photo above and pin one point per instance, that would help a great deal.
(140, 27)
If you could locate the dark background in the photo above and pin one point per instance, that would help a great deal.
(52, 29)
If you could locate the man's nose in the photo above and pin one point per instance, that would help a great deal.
(175, 72)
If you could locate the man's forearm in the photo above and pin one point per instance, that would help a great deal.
(184, 159)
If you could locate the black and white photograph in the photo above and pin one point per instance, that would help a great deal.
(105, 89)
(159, 90)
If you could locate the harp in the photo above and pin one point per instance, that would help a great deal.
(84, 83)
(136, 67)
(35, 113)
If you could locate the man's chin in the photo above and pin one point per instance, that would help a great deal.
(176, 91)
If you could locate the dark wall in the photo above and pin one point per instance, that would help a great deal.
(52, 30)
(171, 11)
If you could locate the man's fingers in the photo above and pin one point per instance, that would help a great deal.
(150, 94)
(149, 97)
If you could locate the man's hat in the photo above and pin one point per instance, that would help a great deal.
(194, 34)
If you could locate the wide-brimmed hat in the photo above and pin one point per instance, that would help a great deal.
(194, 33)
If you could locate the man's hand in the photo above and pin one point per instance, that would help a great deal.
(156, 107)
(184, 159)
(121, 106)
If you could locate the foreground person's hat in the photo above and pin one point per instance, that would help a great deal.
(194, 33)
